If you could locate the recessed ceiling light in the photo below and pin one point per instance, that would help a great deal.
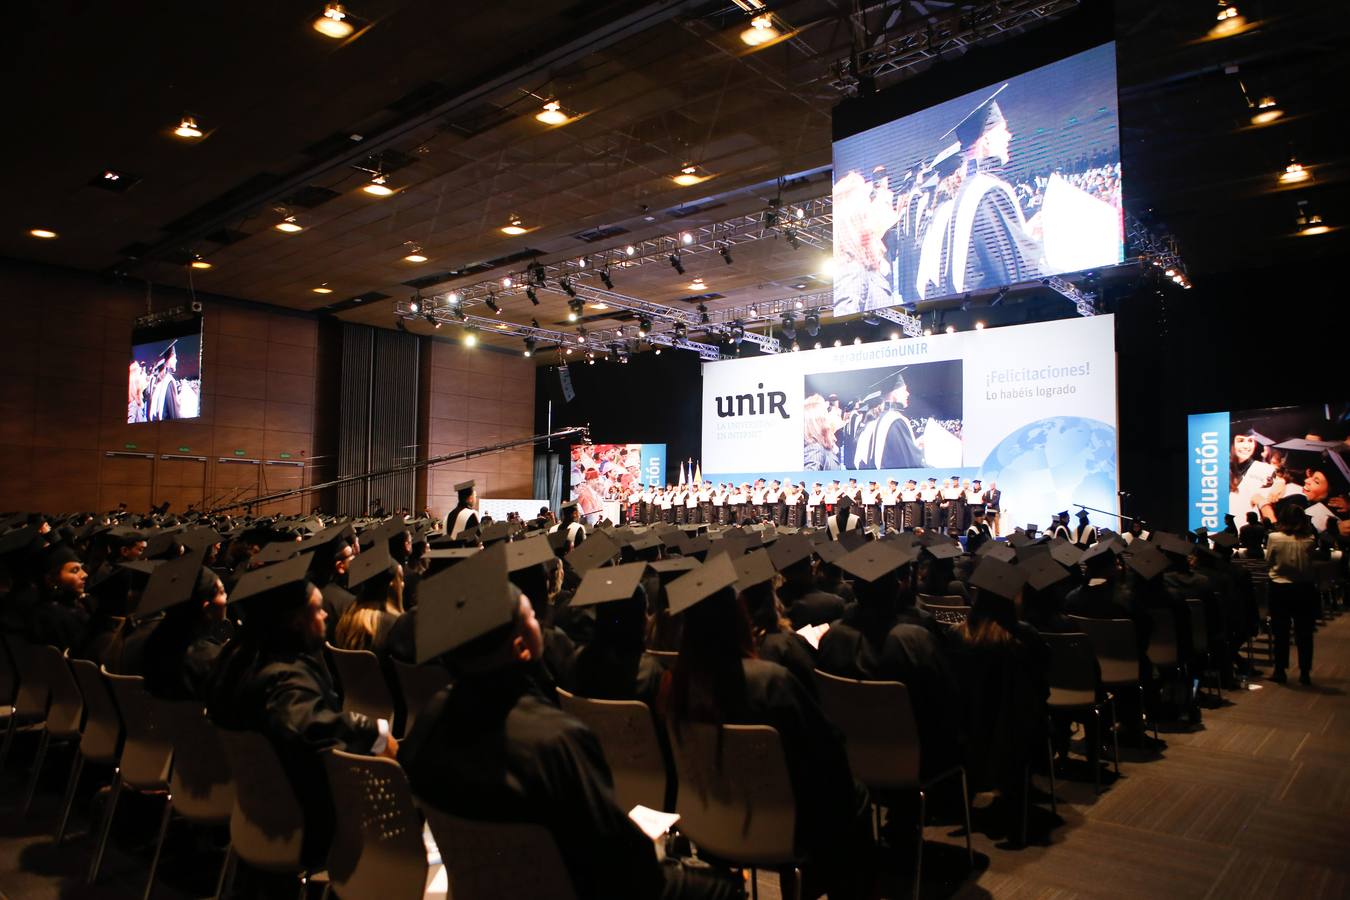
(1294, 173)
(44, 233)
(1228, 21)
(199, 263)
(470, 340)
(697, 284)
(760, 32)
(416, 256)
(289, 225)
(514, 226)
(187, 128)
(1267, 111)
(378, 186)
(333, 23)
(689, 175)
(323, 289)
(552, 114)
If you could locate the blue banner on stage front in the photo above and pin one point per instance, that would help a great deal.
(1208, 477)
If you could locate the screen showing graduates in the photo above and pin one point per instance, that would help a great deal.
(1028, 408)
(604, 473)
(1251, 464)
(164, 379)
(1013, 182)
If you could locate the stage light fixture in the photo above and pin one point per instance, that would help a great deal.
(644, 326)
(575, 309)
(703, 314)
(838, 343)
(760, 32)
(552, 114)
(737, 332)
(536, 274)
(951, 329)
(470, 339)
(187, 128)
(676, 264)
(928, 332)
(491, 304)
(530, 344)
(452, 298)
(414, 306)
(895, 335)
(629, 250)
(725, 250)
(1294, 172)
(507, 282)
(686, 238)
(534, 298)
(698, 284)
(1309, 223)
(325, 289)
(581, 334)
(817, 346)
(857, 341)
(333, 23)
(45, 233)
(791, 237)
(198, 263)
(681, 332)
(514, 226)
(289, 225)
(689, 175)
(812, 321)
(605, 279)
(415, 254)
(566, 285)
(1267, 111)
(378, 186)
(827, 268)
(789, 327)
(1228, 21)
(979, 326)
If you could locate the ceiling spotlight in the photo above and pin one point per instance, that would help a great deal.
(725, 250)
(737, 332)
(857, 341)
(44, 233)
(507, 282)
(979, 326)
(415, 305)
(686, 238)
(689, 175)
(452, 298)
(1228, 21)
(325, 289)
(198, 263)
(629, 250)
(514, 226)
(1294, 172)
(566, 285)
(470, 339)
(534, 298)
(333, 23)
(574, 309)
(581, 334)
(552, 114)
(760, 32)
(791, 237)
(812, 321)
(827, 267)
(415, 254)
(530, 344)
(681, 332)
(676, 264)
(838, 343)
(1267, 111)
(491, 304)
(658, 351)
(703, 314)
(536, 274)
(289, 225)
(789, 327)
(583, 262)
(378, 186)
(698, 284)
(644, 326)
(895, 335)
(187, 128)
(605, 279)
(1309, 223)
(951, 329)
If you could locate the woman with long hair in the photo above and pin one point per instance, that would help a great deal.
(820, 451)
(366, 623)
(1293, 595)
(182, 650)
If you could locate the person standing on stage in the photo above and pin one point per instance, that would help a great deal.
(890, 506)
(815, 505)
(465, 514)
(992, 498)
(1060, 526)
(832, 491)
(911, 510)
(668, 505)
(888, 441)
(978, 532)
(931, 496)
(569, 525)
(705, 511)
(975, 497)
(691, 505)
(1085, 535)
(843, 520)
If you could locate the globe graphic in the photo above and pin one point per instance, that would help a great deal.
(1055, 464)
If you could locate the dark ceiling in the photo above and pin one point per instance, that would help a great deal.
(442, 97)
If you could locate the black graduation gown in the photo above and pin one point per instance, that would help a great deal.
(492, 748)
(58, 622)
(177, 663)
(794, 653)
(901, 450)
(999, 249)
(289, 697)
(811, 607)
(472, 521)
(606, 673)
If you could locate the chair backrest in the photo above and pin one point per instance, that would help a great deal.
(1073, 670)
(364, 689)
(147, 752)
(1162, 642)
(65, 711)
(30, 700)
(1113, 640)
(9, 674)
(664, 657)
(101, 740)
(418, 684)
(203, 790)
(627, 734)
(378, 851)
(1199, 630)
(881, 737)
(491, 860)
(948, 610)
(735, 800)
(267, 823)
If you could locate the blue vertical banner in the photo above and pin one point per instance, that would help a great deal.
(1208, 470)
(654, 465)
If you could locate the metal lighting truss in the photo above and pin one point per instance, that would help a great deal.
(1085, 303)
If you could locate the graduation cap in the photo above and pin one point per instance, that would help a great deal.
(443, 557)
(667, 569)
(996, 550)
(1065, 553)
(1041, 571)
(171, 583)
(1225, 540)
(529, 552)
(1082, 513)
(1255, 435)
(789, 550)
(875, 560)
(1172, 544)
(369, 564)
(18, 539)
(465, 603)
(1096, 553)
(596, 550)
(165, 544)
(464, 486)
(943, 549)
(277, 551)
(701, 583)
(852, 540)
(608, 584)
(645, 541)
(1020, 539)
(1146, 559)
(257, 584)
(204, 537)
(558, 541)
(753, 568)
(495, 531)
(999, 578)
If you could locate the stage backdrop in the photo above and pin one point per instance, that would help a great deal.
(1030, 407)
(600, 470)
(1247, 461)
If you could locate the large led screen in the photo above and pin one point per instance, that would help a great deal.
(1012, 182)
(164, 379)
(604, 472)
(1031, 408)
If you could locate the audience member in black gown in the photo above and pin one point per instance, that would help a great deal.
(774, 638)
(495, 747)
(806, 604)
(542, 583)
(378, 582)
(181, 651)
(60, 617)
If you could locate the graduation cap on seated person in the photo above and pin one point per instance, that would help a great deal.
(943, 549)
(852, 540)
(700, 583)
(753, 568)
(1065, 553)
(171, 583)
(468, 602)
(996, 550)
(666, 569)
(1172, 544)
(596, 550)
(608, 584)
(1041, 571)
(831, 552)
(877, 559)
(276, 551)
(439, 558)
(204, 537)
(790, 550)
(529, 552)
(257, 585)
(495, 531)
(163, 545)
(371, 563)
(999, 578)
(1147, 560)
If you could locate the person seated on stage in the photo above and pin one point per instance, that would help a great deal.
(272, 679)
(718, 680)
(774, 638)
(873, 643)
(378, 582)
(494, 747)
(60, 617)
(614, 665)
(180, 653)
(1002, 667)
(1137, 532)
(806, 604)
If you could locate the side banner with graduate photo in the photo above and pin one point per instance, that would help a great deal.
(604, 472)
(1031, 408)
(1259, 461)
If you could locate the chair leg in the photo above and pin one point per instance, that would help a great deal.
(43, 743)
(159, 845)
(72, 782)
(796, 884)
(9, 737)
(918, 848)
(965, 807)
(109, 811)
(225, 884)
(1115, 736)
(754, 885)
(304, 886)
(1026, 803)
(1094, 756)
(1050, 752)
